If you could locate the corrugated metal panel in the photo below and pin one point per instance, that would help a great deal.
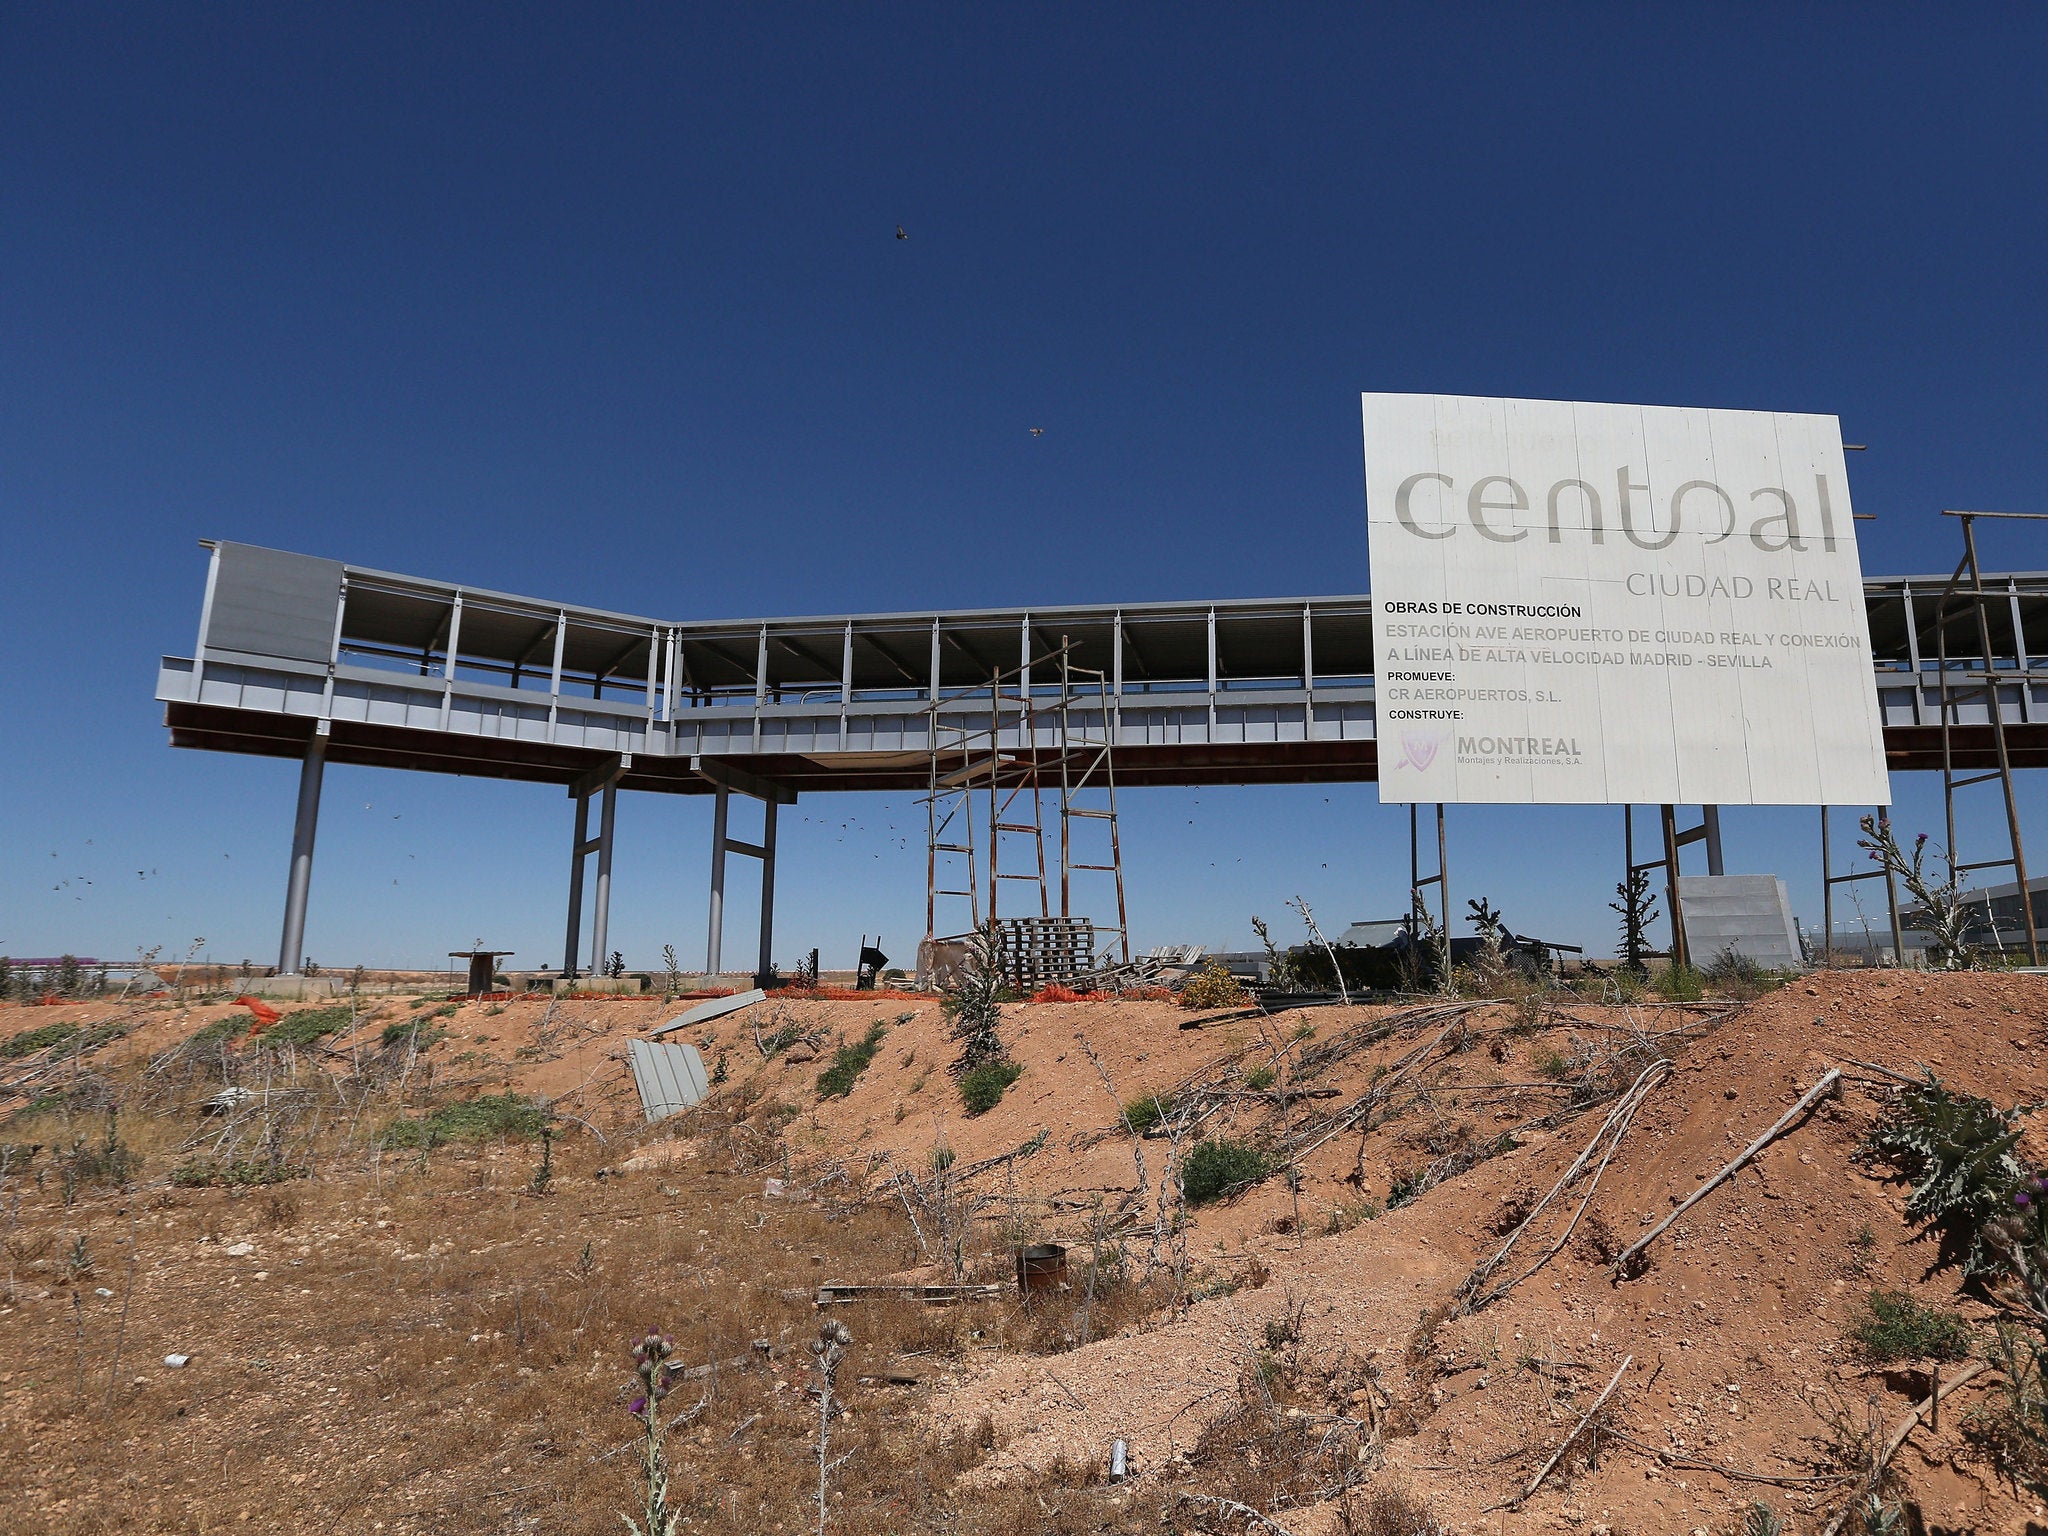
(716, 1008)
(669, 1077)
(1750, 914)
(269, 603)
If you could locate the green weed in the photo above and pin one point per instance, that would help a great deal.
(1893, 1326)
(306, 1027)
(982, 1089)
(1216, 1169)
(28, 1042)
(837, 1080)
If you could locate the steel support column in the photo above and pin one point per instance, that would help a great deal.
(604, 780)
(715, 940)
(762, 972)
(725, 781)
(600, 916)
(579, 847)
(291, 953)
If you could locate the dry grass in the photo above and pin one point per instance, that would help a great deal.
(416, 1341)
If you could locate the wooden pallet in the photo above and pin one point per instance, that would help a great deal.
(1044, 951)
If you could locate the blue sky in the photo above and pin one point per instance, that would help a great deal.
(605, 305)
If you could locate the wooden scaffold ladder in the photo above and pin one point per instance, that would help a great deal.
(1966, 604)
(949, 826)
(972, 759)
(1088, 786)
(1010, 780)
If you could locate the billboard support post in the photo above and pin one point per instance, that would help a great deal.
(1681, 953)
(1417, 880)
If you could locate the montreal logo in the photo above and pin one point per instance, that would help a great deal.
(1419, 749)
(1563, 749)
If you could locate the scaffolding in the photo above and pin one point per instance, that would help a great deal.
(994, 761)
(1088, 787)
(1958, 687)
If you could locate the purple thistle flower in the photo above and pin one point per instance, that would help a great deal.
(637, 1406)
(2022, 1198)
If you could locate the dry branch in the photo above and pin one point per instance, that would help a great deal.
(1566, 1444)
(1231, 1507)
(1612, 1129)
(1906, 1427)
(1930, 1404)
(1783, 1123)
(1882, 1071)
(1363, 1105)
(1696, 1464)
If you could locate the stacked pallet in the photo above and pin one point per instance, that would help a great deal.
(1044, 951)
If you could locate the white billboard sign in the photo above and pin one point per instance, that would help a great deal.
(1620, 604)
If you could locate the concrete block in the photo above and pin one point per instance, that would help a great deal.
(294, 989)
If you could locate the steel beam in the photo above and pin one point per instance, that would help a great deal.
(727, 777)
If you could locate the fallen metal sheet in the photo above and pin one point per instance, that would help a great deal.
(669, 1077)
(717, 1008)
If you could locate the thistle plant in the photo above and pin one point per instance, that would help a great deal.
(1300, 904)
(1942, 901)
(1280, 969)
(544, 1175)
(1432, 945)
(656, 1377)
(1961, 1152)
(827, 1349)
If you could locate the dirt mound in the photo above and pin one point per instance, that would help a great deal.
(1317, 1322)
(1737, 1328)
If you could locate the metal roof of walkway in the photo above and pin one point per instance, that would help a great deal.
(407, 672)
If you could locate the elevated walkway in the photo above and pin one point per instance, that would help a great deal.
(320, 661)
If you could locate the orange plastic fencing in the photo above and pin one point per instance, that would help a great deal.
(1055, 993)
(849, 994)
